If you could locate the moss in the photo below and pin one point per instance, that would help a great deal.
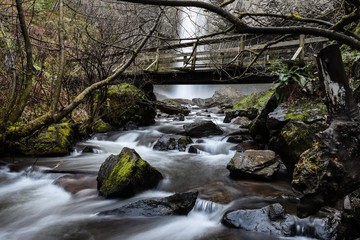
(101, 127)
(305, 108)
(308, 170)
(56, 140)
(255, 100)
(129, 170)
(127, 104)
(185, 140)
(126, 88)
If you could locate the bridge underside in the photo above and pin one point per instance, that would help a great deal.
(200, 77)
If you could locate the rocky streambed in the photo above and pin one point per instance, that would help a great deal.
(214, 182)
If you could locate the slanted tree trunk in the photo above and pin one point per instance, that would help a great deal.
(27, 81)
(330, 170)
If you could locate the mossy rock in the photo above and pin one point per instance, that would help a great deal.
(56, 140)
(126, 103)
(101, 127)
(295, 137)
(255, 100)
(124, 175)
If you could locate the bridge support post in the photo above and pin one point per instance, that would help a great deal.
(302, 46)
(193, 59)
(157, 60)
(241, 50)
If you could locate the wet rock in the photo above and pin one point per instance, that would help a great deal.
(125, 104)
(238, 138)
(165, 143)
(274, 220)
(250, 113)
(304, 109)
(172, 109)
(126, 174)
(330, 169)
(177, 204)
(295, 137)
(180, 117)
(215, 110)
(254, 164)
(247, 145)
(243, 122)
(76, 182)
(202, 128)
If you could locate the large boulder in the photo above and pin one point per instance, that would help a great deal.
(126, 174)
(254, 164)
(274, 220)
(304, 109)
(127, 104)
(329, 170)
(177, 204)
(295, 137)
(54, 141)
(202, 128)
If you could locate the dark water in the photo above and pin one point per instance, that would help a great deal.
(32, 207)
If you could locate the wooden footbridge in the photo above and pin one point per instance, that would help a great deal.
(220, 60)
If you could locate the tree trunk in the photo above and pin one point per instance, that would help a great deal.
(27, 82)
(330, 170)
(60, 74)
(338, 95)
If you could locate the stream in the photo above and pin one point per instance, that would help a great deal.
(32, 207)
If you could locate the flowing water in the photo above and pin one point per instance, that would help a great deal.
(33, 207)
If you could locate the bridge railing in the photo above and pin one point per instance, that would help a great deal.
(235, 51)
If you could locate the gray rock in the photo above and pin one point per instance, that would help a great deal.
(254, 164)
(165, 143)
(202, 128)
(177, 204)
(274, 220)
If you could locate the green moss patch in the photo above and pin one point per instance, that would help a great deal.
(255, 100)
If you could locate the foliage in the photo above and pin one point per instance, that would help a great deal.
(292, 73)
(255, 100)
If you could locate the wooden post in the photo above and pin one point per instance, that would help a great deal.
(185, 61)
(193, 59)
(157, 60)
(302, 46)
(241, 50)
(222, 58)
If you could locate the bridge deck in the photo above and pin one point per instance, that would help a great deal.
(218, 61)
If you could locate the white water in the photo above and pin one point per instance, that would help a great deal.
(32, 207)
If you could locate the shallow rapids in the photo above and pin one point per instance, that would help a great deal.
(33, 207)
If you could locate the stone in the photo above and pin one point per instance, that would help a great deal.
(275, 221)
(126, 174)
(294, 138)
(243, 122)
(202, 128)
(165, 143)
(177, 204)
(250, 113)
(125, 104)
(57, 140)
(254, 164)
(172, 109)
(329, 170)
